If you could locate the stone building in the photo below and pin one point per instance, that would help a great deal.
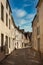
(6, 28)
(12, 32)
(19, 38)
(22, 39)
(27, 41)
(34, 33)
(37, 25)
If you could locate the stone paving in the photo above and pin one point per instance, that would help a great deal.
(22, 57)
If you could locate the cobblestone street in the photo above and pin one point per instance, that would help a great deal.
(22, 57)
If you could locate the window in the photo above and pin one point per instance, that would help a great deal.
(9, 42)
(37, 10)
(38, 44)
(17, 44)
(6, 19)
(9, 23)
(2, 12)
(9, 12)
(6, 43)
(6, 4)
(2, 40)
(38, 30)
(37, 17)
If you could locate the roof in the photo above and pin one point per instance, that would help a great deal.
(29, 34)
(9, 6)
(39, 3)
(13, 21)
(34, 19)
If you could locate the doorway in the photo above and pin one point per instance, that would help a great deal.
(6, 45)
(38, 44)
(2, 42)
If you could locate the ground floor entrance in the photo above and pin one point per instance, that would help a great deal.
(2, 42)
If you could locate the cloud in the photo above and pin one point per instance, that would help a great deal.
(23, 22)
(27, 5)
(27, 28)
(19, 12)
(30, 16)
(23, 19)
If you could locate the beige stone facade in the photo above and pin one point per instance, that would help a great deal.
(37, 35)
(6, 29)
(34, 34)
(20, 39)
(26, 39)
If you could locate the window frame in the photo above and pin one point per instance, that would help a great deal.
(2, 12)
(6, 19)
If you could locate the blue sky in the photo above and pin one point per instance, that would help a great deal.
(23, 12)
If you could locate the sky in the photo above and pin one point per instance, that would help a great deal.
(23, 12)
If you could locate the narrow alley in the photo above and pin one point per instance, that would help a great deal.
(24, 56)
